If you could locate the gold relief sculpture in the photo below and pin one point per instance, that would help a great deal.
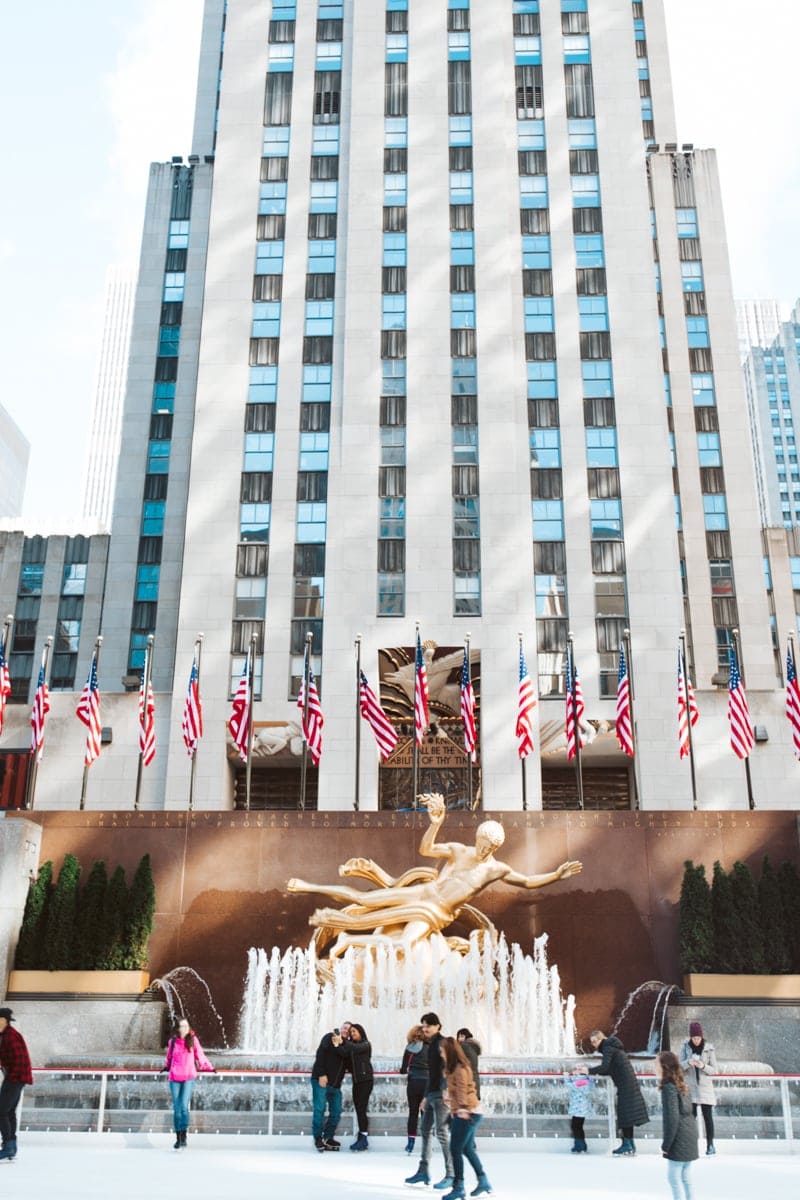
(420, 904)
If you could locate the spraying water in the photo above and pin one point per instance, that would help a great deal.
(174, 995)
(662, 991)
(511, 1000)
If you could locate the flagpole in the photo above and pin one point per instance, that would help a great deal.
(198, 649)
(33, 774)
(522, 760)
(578, 765)
(468, 754)
(748, 778)
(248, 771)
(415, 748)
(358, 720)
(95, 659)
(304, 760)
(682, 652)
(626, 642)
(148, 666)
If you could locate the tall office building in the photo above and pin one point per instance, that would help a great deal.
(109, 395)
(757, 323)
(451, 341)
(772, 380)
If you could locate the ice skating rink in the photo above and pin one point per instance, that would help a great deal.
(80, 1166)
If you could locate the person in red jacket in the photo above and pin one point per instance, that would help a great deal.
(16, 1064)
(185, 1058)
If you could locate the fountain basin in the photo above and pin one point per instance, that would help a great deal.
(72, 983)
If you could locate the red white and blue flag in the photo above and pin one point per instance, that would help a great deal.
(575, 709)
(687, 708)
(88, 711)
(739, 719)
(793, 699)
(5, 682)
(239, 723)
(147, 722)
(311, 719)
(192, 723)
(526, 708)
(624, 726)
(41, 707)
(421, 713)
(376, 718)
(468, 709)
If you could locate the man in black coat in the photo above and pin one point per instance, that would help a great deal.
(631, 1108)
(326, 1088)
(435, 1113)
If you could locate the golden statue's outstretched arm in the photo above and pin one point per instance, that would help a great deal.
(536, 881)
(436, 811)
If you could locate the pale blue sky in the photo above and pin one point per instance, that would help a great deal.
(93, 91)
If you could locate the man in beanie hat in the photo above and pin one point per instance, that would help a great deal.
(435, 1112)
(16, 1064)
(699, 1065)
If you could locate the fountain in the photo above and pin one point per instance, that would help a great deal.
(511, 1000)
(655, 1035)
(174, 996)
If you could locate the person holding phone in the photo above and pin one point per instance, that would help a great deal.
(699, 1064)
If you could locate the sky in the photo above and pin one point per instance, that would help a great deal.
(93, 91)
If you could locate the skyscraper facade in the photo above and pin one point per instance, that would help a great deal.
(772, 379)
(450, 345)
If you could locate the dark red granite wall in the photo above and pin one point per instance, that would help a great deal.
(220, 880)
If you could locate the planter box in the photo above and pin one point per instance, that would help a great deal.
(87, 983)
(743, 987)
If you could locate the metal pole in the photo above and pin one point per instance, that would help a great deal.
(248, 771)
(198, 649)
(469, 756)
(682, 652)
(304, 760)
(578, 765)
(626, 642)
(414, 746)
(95, 661)
(748, 778)
(358, 722)
(524, 775)
(148, 663)
(33, 774)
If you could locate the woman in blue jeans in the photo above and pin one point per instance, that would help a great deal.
(185, 1058)
(679, 1138)
(465, 1117)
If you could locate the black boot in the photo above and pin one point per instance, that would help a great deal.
(9, 1150)
(176, 1145)
(182, 1136)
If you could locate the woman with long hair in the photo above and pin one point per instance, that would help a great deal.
(465, 1117)
(357, 1054)
(415, 1068)
(679, 1136)
(699, 1065)
(185, 1058)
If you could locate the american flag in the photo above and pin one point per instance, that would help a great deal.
(742, 737)
(421, 714)
(624, 728)
(468, 709)
(41, 707)
(575, 709)
(376, 718)
(239, 723)
(526, 707)
(793, 699)
(88, 711)
(192, 723)
(686, 704)
(311, 719)
(147, 722)
(5, 682)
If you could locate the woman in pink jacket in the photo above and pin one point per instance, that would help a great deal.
(185, 1058)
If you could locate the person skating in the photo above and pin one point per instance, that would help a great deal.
(16, 1066)
(465, 1117)
(631, 1108)
(414, 1066)
(435, 1114)
(326, 1088)
(185, 1058)
(579, 1105)
(699, 1064)
(679, 1138)
(357, 1053)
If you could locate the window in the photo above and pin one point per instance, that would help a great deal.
(715, 509)
(606, 518)
(580, 90)
(548, 520)
(601, 447)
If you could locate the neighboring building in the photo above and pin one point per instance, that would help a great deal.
(772, 380)
(15, 452)
(109, 395)
(439, 379)
(757, 324)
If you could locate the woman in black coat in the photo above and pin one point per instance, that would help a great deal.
(357, 1053)
(631, 1108)
(679, 1138)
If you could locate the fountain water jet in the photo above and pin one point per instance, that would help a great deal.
(511, 1000)
(175, 1002)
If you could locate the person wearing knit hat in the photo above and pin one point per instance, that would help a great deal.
(699, 1064)
(16, 1066)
